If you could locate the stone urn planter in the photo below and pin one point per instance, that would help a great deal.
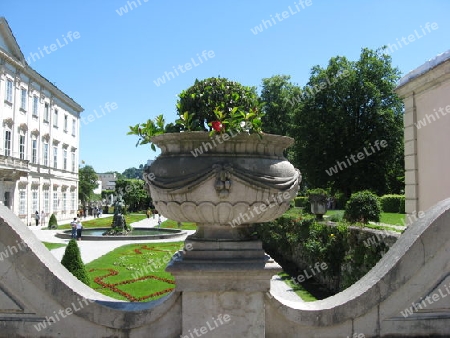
(318, 205)
(223, 183)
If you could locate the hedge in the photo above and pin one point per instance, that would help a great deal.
(393, 203)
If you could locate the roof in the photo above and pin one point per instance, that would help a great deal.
(15, 56)
(427, 66)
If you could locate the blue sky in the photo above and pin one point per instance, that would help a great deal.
(123, 47)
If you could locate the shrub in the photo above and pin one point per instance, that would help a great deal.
(317, 194)
(363, 206)
(72, 262)
(53, 223)
(341, 200)
(393, 203)
(302, 202)
(201, 99)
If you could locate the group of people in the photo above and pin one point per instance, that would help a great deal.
(39, 218)
(77, 228)
(96, 212)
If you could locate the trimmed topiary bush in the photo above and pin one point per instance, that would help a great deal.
(393, 203)
(72, 262)
(53, 223)
(363, 206)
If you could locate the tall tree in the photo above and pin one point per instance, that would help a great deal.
(349, 125)
(133, 193)
(88, 182)
(276, 94)
(133, 172)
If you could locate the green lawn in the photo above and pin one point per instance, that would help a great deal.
(106, 221)
(52, 246)
(391, 218)
(174, 225)
(386, 217)
(297, 287)
(134, 272)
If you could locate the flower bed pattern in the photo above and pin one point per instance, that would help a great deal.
(126, 260)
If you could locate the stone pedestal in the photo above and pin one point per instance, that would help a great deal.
(223, 285)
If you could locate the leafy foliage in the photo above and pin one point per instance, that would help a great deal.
(297, 242)
(275, 96)
(363, 206)
(53, 222)
(72, 262)
(88, 182)
(208, 97)
(346, 115)
(133, 193)
(393, 203)
(217, 104)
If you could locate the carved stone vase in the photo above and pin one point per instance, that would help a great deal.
(225, 184)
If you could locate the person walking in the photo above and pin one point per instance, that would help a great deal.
(37, 217)
(79, 229)
(42, 218)
(73, 224)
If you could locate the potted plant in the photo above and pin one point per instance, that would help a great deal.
(318, 199)
(218, 169)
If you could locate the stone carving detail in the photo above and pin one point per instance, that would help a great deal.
(223, 179)
(8, 122)
(23, 127)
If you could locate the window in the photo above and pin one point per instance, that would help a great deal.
(45, 154)
(22, 201)
(65, 159)
(7, 199)
(46, 201)
(34, 200)
(64, 200)
(73, 161)
(55, 118)
(7, 143)
(72, 204)
(55, 157)
(55, 201)
(34, 151)
(35, 105)
(46, 112)
(9, 90)
(22, 147)
(23, 99)
(66, 123)
(74, 126)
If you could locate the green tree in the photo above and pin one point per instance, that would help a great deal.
(88, 182)
(71, 260)
(346, 110)
(133, 193)
(53, 222)
(276, 96)
(133, 172)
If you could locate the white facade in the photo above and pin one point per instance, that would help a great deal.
(39, 139)
(107, 181)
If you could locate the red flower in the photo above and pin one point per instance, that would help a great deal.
(217, 125)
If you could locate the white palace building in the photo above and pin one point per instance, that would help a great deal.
(39, 139)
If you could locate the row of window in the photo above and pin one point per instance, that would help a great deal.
(34, 152)
(58, 204)
(35, 106)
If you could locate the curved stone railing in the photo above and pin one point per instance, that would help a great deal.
(36, 289)
(407, 294)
